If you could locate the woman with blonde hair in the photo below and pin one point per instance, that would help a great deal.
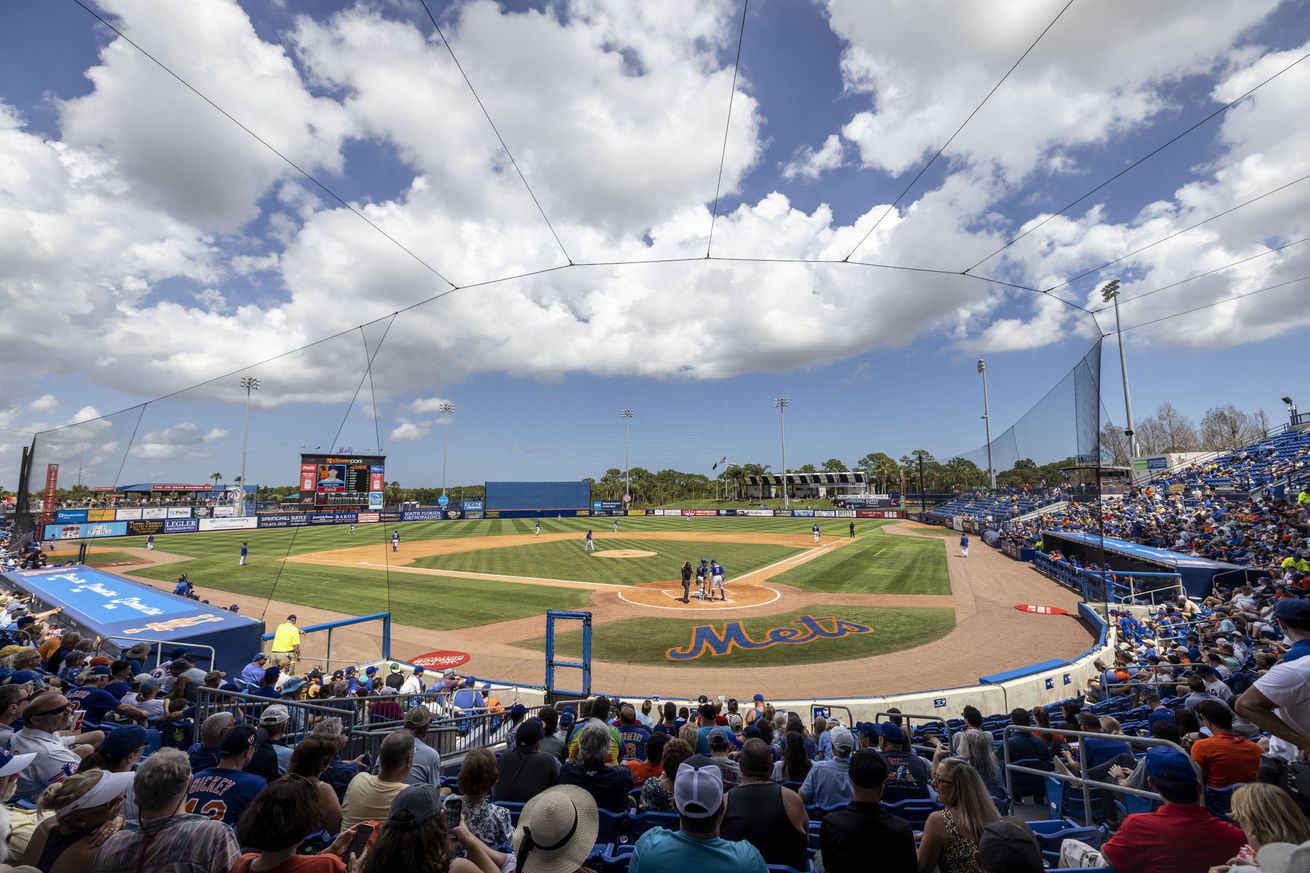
(1110, 725)
(85, 807)
(950, 836)
(1266, 814)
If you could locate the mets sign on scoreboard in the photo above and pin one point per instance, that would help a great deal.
(708, 639)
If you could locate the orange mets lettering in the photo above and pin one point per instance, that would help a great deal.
(715, 641)
(174, 624)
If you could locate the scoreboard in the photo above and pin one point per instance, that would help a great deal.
(342, 480)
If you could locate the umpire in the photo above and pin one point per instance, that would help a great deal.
(686, 581)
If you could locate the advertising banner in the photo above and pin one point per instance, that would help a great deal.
(154, 512)
(782, 513)
(181, 525)
(333, 517)
(473, 513)
(225, 511)
(610, 505)
(636, 512)
(727, 512)
(178, 512)
(87, 530)
(145, 528)
(201, 512)
(99, 515)
(825, 513)
(308, 476)
(284, 519)
(377, 480)
(70, 516)
(846, 513)
(179, 486)
(803, 513)
(228, 523)
(127, 514)
(880, 513)
(698, 512)
(421, 515)
(368, 518)
(375, 500)
(756, 513)
(474, 505)
(389, 516)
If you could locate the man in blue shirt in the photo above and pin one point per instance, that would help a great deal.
(97, 702)
(254, 671)
(696, 845)
(222, 793)
(828, 784)
(633, 735)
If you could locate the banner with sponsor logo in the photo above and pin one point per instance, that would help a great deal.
(201, 512)
(880, 513)
(420, 515)
(228, 523)
(70, 516)
(86, 530)
(177, 512)
(283, 519)
(389, 516)
(442, 660)
(803, 513)
(636, 512)
(127, 514)
(154, 512)
(146, 527)
(825, 513)
(333, 517)
(181, 525)
(474, 505)
(375, 500)
(225, 511)
(756, 513)
(698, 512)
(473, 513)
(99, 515)
(846, 513)
(727, 512)
(782, 513)
(368, 518)
(610, 505)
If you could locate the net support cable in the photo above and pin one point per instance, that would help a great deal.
(727, 125)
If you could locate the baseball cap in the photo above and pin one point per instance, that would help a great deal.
(351, 671)
(370, 670)
(718, 738)
(1161, 761)
(418, 717)
(274, 714)
(18, 677)
(291, 617)
(528, 734)
(759, 697)
(1010, 846)
(24, 620)
(413, 806)
(259, 656)
(891, 732)
(698, 787)
(1293, 609)
(99, 671)
(842, 739)
(175, 664)
(418, 671)
(237, 740)
(394, 668)
(11, 763)
(121, 742)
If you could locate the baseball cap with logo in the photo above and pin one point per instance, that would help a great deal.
(237, 740)
(698, 787)
(274, 714)
(842, 739)
(718, 739)
(418, 717)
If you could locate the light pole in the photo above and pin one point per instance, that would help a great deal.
(249, 383)
(1291, 408)
(781, 403)
(627, 487)
(1111, 293)
(447, 409)
(987, 426)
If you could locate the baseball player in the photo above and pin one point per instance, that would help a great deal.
(150, 543)
(352, 527)
(395, 540)
(716, 579)
(537, 532)
(616, 525)
(701, 572)
(590, 546)
(964, 545)
(245, 550)
(815, 530)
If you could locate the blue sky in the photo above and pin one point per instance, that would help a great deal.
(158, 247)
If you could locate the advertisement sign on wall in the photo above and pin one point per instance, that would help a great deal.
(154, 512)
(145, 528)
(70, 516)
(178, 512)
(99, 515)
(283, 519)
(475, 505)
(181, 525)
(127, 514)
(420, 515)
(228, 523)
(333, 517)
(368, 518)
(225, 511)
(87, 530)
(375, 500)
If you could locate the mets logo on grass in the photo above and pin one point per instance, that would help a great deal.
(717, 640)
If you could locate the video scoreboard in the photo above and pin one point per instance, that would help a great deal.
(342, 480)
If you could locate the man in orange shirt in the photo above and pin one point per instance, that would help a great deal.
(653, 766)
(1226, 758)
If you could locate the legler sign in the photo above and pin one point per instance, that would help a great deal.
(440, 660)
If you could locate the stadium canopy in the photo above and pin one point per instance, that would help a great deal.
(176, 487)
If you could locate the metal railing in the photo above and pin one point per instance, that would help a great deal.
(330, 626)
(909, 729)
(1080, 779)
(159, 648)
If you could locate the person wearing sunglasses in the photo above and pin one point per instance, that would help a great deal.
(12, 700)
(57, 754)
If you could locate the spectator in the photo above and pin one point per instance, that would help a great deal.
(45, 716)
(609, 785)
(120, 679)
(369, 797)
(850, 838)
(976, 748)
(822, 742)
(909, 776)
(488, 822)
(633, 735)
(13, 698)
(1226, 758)
(168, 839)
(205, 754)
(719, 755)
(1181, 836)
(414, 683)
(1026, 746)
(669, 720)
(1009, 847)
(187, 679)
(310, 758)
(795, 764)
(340, 772)
(696, 845)
(827, 785)
(551, 742)
(223, 792)
(253, 673)
(657, 793)
(760, 811)
(426, 769)
(950, 835)
(653, 765)
(272, 754)
(277, 822)
(268, 684)
(1267, 814)
(395, 678)
(85, 808)
(973, 721)
(59, 648)
(1279, 701)
(525, 771)
(600, 708)
(97, 702)
(414, 839)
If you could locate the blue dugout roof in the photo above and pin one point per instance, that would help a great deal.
(1143, 553)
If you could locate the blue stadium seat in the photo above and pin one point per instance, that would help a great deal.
(614, 827)
(916, 812)
(641, 822)
(615, 859)
(1027, 785)
(1220, 800)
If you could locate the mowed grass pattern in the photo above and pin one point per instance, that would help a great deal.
(565, 559)
(878, 563)
(642, 641)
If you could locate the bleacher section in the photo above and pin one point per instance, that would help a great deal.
(1249, 468)
(996, 508)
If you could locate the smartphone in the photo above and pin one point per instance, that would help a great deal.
(359, 841)
(454, 808)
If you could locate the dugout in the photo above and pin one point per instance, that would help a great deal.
(1198, 574)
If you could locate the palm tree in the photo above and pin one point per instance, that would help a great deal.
(215, 477)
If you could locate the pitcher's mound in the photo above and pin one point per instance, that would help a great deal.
(624, 553)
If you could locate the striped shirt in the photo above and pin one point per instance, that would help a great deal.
(179, 844)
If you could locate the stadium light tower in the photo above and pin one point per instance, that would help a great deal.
(1291, 408)
(250, 384)
(781, 403)
(1111, 293)
(627, 488)
(987, 426)
(447, 409)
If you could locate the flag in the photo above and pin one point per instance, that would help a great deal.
(722, 460)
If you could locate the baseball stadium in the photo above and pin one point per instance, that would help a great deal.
(709, 424)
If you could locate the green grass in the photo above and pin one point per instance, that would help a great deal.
(641, 641)
(878, 563)
(565, 559)
(96, 556)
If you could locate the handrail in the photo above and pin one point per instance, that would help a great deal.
(159, 648)
(1081, 778)
(910, 733)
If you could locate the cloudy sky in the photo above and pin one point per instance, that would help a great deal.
(153, 238)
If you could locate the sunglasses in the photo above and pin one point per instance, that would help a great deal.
(64, 708)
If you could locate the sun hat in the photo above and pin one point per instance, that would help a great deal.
(11, 763)
(556, 830)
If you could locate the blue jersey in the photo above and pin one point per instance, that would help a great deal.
(632, 741)
(96, 702)
(222, 794)
(716, 569)
(244, 550)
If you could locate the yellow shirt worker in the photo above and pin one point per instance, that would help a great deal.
(286, 641)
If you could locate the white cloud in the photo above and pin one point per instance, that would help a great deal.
(86, 413)
(424, 405)
(182, 440)
(410, 431)
(44, 403)
(810, 163)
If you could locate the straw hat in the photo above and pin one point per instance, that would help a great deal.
(556, 830)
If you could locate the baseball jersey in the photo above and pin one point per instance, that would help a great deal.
(222, 794)
(96, 702)
(632, 741)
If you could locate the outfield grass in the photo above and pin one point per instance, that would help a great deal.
(878, 563)
(565, 559)
(108, 556)
(639, 641)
